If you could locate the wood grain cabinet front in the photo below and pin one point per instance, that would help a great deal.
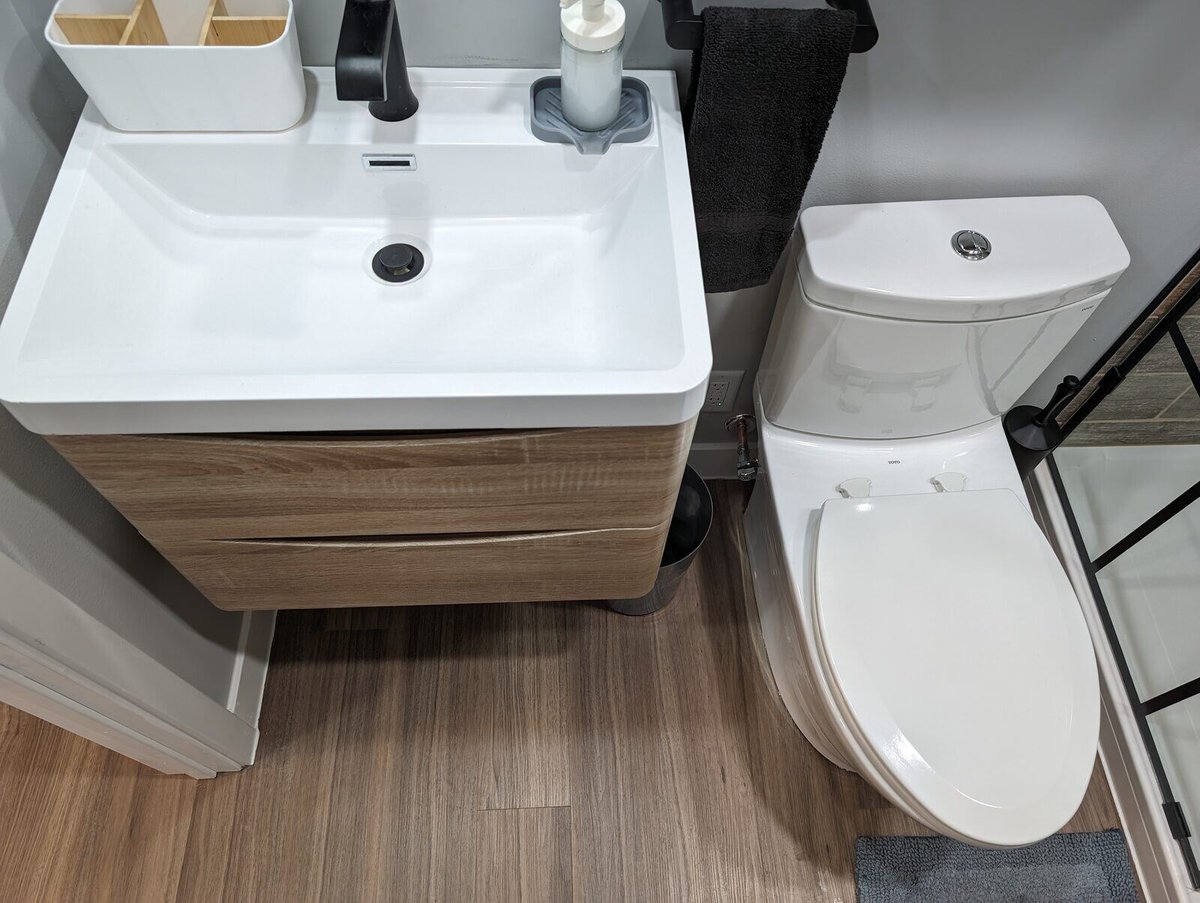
(503, 567)
(323, 520)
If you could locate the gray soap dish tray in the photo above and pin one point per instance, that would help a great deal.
(633, 122)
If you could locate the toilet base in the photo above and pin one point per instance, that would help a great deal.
(780, 631)
(799, 473)
(790, 672)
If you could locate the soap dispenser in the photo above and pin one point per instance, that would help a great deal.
(593, 47)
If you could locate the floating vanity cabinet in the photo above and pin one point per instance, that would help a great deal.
(324, 520)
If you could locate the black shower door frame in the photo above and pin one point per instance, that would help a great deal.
(1113, 376)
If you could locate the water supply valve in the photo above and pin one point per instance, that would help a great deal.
(741, 425)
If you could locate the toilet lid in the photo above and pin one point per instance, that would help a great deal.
(956, 652)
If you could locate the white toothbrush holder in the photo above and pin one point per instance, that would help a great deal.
(184, 65)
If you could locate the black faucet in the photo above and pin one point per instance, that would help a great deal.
(370, 60)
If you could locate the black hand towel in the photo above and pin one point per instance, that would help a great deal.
(763, 88)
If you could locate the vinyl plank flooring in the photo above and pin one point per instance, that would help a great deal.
(363, 832)
(387, 807)
(624, 800)
(139, 836)
(658, 748)
(1097, 812)
(508, 752)
(83, 823)
(206, 858)
(501, 672)
(501, 744)
(48, 794)
(522, 855)
(801, 810)
(149, 851)
(446, 712)
(278, 837)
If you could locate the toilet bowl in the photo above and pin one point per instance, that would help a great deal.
(918, 625)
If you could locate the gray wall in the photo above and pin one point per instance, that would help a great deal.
(52, 523)
(960, 98)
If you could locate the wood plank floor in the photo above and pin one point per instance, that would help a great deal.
(510, 752)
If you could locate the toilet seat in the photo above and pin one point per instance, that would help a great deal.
(952, 646)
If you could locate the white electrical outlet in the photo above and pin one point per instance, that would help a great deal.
(722, 391)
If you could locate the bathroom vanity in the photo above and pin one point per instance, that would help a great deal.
(296, 521)
(201, 330)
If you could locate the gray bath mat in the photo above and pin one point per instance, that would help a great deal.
(1082, 868)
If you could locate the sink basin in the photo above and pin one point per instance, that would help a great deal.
(196, 282)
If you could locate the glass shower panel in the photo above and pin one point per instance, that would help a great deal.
(1153, 596)
(1130, 472)
(1140, 448)
(1176, 731)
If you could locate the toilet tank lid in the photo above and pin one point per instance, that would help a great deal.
(900, 261)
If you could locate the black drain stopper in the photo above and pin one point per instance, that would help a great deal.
(397, 263)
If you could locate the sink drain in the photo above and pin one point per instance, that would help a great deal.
(398, 262)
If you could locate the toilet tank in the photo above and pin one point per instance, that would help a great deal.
(912, 319)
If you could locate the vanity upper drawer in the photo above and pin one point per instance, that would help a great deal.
(310, 485)
(528, 567)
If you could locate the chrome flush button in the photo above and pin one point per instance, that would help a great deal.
(970, 244)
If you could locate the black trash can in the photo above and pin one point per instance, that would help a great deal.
(689, 528)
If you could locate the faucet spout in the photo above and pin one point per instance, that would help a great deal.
(370, 60)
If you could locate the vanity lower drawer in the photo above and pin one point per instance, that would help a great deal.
(528, 567)
(329, 485)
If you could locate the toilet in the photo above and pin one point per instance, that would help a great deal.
(918, 626)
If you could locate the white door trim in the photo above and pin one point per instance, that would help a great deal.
(91, 681)
(22, 693)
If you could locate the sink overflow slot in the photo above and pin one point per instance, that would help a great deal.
(389, 162)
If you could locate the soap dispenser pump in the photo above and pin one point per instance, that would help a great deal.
(593, 44)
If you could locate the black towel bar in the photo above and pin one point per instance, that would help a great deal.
(685, 31)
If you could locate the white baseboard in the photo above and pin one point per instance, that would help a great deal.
(250, 670)
(1156, 855)
(42, 702)
(63, 665)
(714, 460)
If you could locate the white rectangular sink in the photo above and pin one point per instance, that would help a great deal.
(222, 282)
